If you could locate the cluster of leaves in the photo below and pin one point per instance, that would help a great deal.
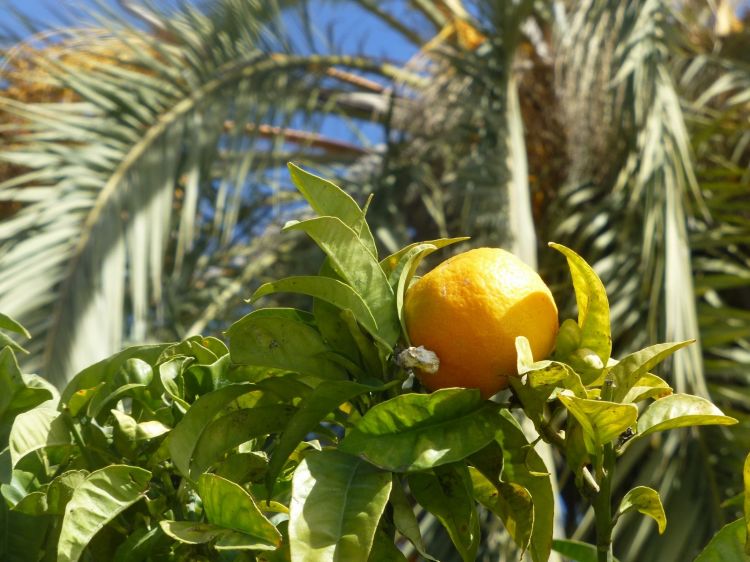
(304, 439)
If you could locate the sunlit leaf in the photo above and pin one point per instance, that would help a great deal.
(280, 341)
(593, 305)
(235, 428)
(417, 431)
(636, 365)
(337, 501)
(680, 410)
(38, 429)
(229, 506)
(645, 500)
(102, 496)
(185, 436)
(358, 267)
(330, 290)
(327, 199)
(601, 421)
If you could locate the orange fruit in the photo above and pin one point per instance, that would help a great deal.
(469, 311)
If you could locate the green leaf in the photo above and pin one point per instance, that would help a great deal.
(746, 501)
(127, 429)
(593, 306)
(412, 259)
(184, 437)
(680, 410)
(632, 368)
(7, 323)
(37, 429)
(727, 544)
(235, 428)
(446, 492)
(327, 199)
(394, 264)
(20, 392)
(542, 378)
(324, 399)
(417, 431)
(328, 289)
(191, 532)
(357, 267)
(280, 341)
(522, 465)
(103, 495)
(512, 503)
(337, 501)
(384, 549)
(646, 501)
(576, 550)
(601, 421)
(229, 506)
(404, 518)
(648, 386)
(60, 490)
(139, 544)
(107, 368)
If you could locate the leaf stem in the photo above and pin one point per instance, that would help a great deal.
(602, 502)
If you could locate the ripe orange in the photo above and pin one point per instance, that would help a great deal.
(469, 311)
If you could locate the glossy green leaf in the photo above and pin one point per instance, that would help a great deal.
(281, 341)
(184, 437)
(593, 306)
(20, 392)
(235, 428)
(9, 324)
(337, 501)
(6, 342)
(103, 495)
(412, 259)
(357, 267)
(394, 264)
(629, 370)
(522, 465)
(228, 506)
(60, 490)
(576, 550)
(107, 368)
(646, 501)
(191, 532)
(601, 421)
(446, 492)
(324, 399)
(327, 199)
(328, 289)
(37, 429)
(512, 503)
(135, 431)
(680, 410)
(727, 544)
(417, 431)
(648, 386)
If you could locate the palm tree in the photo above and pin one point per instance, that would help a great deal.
(145, 188)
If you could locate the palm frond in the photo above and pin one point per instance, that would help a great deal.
(126, 174)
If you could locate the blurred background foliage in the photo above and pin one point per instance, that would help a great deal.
(143, 182)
